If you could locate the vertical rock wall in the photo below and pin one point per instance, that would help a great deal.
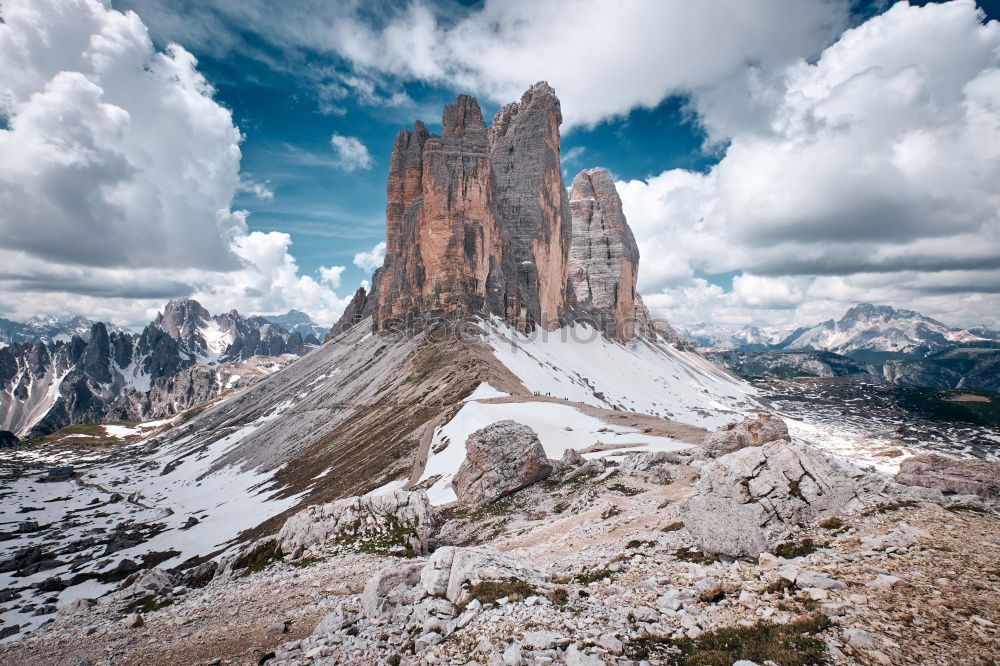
(478, 221)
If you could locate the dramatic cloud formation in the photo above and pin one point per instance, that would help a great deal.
(351, 153)
(117, 175)
(605, 58)
(873, 174)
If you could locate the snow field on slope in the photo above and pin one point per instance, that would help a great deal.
(225, 502)
(559, 427)
(576, 363)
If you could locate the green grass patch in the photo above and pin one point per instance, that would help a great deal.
(792, 644)
(308, 562)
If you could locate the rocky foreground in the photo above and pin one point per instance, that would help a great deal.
(771, 552)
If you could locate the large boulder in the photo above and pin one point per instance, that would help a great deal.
(952, 476)
(451, 571)
(393, 586)
(754, 430)
(445, 579)
(499, 459)
(746, 501)
(396, 523)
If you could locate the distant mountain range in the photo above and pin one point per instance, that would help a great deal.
(105, 372)
(871, 342)
(295, 321)
(46, 329)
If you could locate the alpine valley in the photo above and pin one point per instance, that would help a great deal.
(497, 456)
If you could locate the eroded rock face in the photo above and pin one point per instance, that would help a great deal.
(500, 458)
(753, 430)
(478, 221)
(604, 258)
(747, 500)
(353, 314)
(443, 241)
(531, 201)
(952, 476)
(398, 522)
(452, 570)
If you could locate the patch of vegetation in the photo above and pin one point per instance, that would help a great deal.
(146, 604)
(454, 512)
(639, 543)
(793, 549)
(559, 596)
(259, 558)
(502, 507)
(958, 508)
(887, 507)
(686, 554)
(672, 527)
(941, 405)
(610, 512)
(832, 524)
(565, 481)
(156, 558)
(779, 586)
(628, 491)
(488, 591)
(792, 644)
(587, 577)
(308, 562)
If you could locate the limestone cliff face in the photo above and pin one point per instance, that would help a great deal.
(603, 258)
(443, 241)
(532, 202)
(478, 222)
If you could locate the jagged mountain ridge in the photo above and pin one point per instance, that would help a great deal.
(49, 385)
(863, 328)
(881, 328)
(296, 321)
(872, 343)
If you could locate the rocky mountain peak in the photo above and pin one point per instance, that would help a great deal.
(478, 222)
(181, 317)
(604, 258)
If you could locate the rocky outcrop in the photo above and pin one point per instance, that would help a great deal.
(745, 501)
(443, 241)
(501, 458)
(478, 222)
(444, 581)
(8, 439)
(531, 202)
(753, 430)
(603, 258)
(952, 476)
(451, 571)
(353, 314)
(398, 523)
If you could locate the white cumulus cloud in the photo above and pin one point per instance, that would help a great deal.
(351, 153)
(371, 259)
(117, 175)
(874, 173)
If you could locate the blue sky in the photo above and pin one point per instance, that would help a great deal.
(775, 157)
